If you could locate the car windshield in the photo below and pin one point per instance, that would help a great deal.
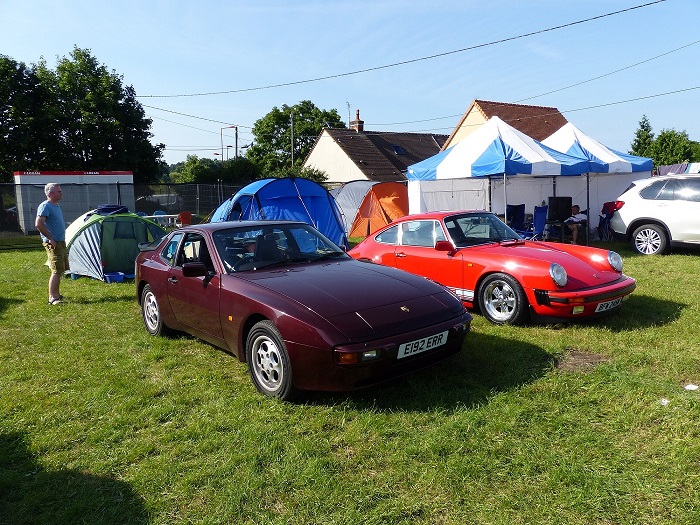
(470, 229)
(256, 247)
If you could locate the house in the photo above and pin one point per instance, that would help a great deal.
(537, 122)
(355, 154)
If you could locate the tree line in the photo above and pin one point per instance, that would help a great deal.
(666, 148)
(81, 117)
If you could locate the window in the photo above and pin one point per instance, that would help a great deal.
(390, 236)
(170, 249)
(398, 150)
(421, 233)
(194, 249)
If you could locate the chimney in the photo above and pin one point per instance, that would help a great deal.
(357, 124)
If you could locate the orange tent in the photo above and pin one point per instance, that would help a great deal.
(384, 202)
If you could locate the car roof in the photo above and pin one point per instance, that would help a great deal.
(437, 215)
(225, 225)
(669, 177)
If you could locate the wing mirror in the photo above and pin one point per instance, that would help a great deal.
(445, 246)
(194, 269)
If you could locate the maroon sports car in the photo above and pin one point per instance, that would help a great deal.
(301, 312)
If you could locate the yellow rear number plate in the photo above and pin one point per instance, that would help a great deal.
(422, 345)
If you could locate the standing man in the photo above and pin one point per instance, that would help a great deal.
(52, 227)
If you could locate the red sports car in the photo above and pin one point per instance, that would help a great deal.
(295, 307)
(489, 266)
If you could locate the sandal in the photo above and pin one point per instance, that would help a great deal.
(57, 300)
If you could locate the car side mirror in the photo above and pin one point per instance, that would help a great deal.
(194, 269)
(445, 246)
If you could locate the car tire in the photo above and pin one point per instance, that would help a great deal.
(268, 362)
(650, 239)
(502, 299)
(150, 311)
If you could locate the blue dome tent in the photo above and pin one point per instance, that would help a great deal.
(292, 199)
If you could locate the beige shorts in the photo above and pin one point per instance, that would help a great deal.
(58, 258)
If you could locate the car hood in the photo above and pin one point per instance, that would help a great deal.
(585, 266)
(362, 299)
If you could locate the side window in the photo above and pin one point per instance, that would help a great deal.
(689, 190)
(390, 236)
(654, 191)
(421, 233)
(170, 249)
(194, 249)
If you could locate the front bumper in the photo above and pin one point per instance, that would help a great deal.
(550, 306)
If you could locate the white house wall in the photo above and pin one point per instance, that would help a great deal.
(327, 156)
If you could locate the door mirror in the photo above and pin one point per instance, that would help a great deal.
(445, 246)
(194, 269)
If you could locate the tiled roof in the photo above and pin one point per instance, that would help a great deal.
(374, 153)
(538, 122)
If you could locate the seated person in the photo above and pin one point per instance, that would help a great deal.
(576, 222)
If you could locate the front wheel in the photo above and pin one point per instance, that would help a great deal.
(649, 239)
(502, 299)
(150, 310)
(268, 361)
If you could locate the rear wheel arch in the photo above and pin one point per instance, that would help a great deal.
(644, 221)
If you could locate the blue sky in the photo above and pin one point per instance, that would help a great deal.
(180, 48)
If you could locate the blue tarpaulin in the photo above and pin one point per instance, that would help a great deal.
(292, 199)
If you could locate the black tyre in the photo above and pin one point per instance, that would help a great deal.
(650, 239)
(502, 300)
(150, 311)
(268, 361)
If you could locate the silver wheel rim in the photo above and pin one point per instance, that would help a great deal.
(267, 363)
(500, 301)
(151, 315)
(648, 241)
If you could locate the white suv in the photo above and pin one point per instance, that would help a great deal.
(659, 212)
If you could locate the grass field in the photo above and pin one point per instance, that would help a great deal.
(563, 424)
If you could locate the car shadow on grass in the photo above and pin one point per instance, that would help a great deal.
(640, 311)
(487, 365)
(30, 494)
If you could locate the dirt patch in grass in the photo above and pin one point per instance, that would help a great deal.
(575, 360)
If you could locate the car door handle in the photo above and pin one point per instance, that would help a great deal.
(172, 280)
(401, 254)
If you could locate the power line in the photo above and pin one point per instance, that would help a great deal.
(411, 61)
(610, 73)
(554, 90)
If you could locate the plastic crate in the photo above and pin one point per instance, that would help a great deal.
(114, 277)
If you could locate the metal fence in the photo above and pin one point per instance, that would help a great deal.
(19, 201)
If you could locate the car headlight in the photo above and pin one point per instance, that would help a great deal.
(558, 274)
(615, 260)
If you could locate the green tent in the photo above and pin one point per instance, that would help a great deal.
(106, 241)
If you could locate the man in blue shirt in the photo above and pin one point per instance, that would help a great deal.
(52, 227)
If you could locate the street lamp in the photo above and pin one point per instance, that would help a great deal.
(222, 139)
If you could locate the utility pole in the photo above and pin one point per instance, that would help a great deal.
(291, 118)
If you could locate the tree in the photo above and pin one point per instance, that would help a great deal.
(78, 117)
(24, 122)
(276, 132)
(196, 170)
(671, 147)
(643, 139)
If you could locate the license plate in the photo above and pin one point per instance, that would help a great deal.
(608, 305)
(422, 345)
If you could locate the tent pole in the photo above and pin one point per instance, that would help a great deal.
(505, 199)
(588, 207)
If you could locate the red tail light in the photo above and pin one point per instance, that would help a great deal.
(612, 206)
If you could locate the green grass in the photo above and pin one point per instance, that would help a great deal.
(101, 423)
